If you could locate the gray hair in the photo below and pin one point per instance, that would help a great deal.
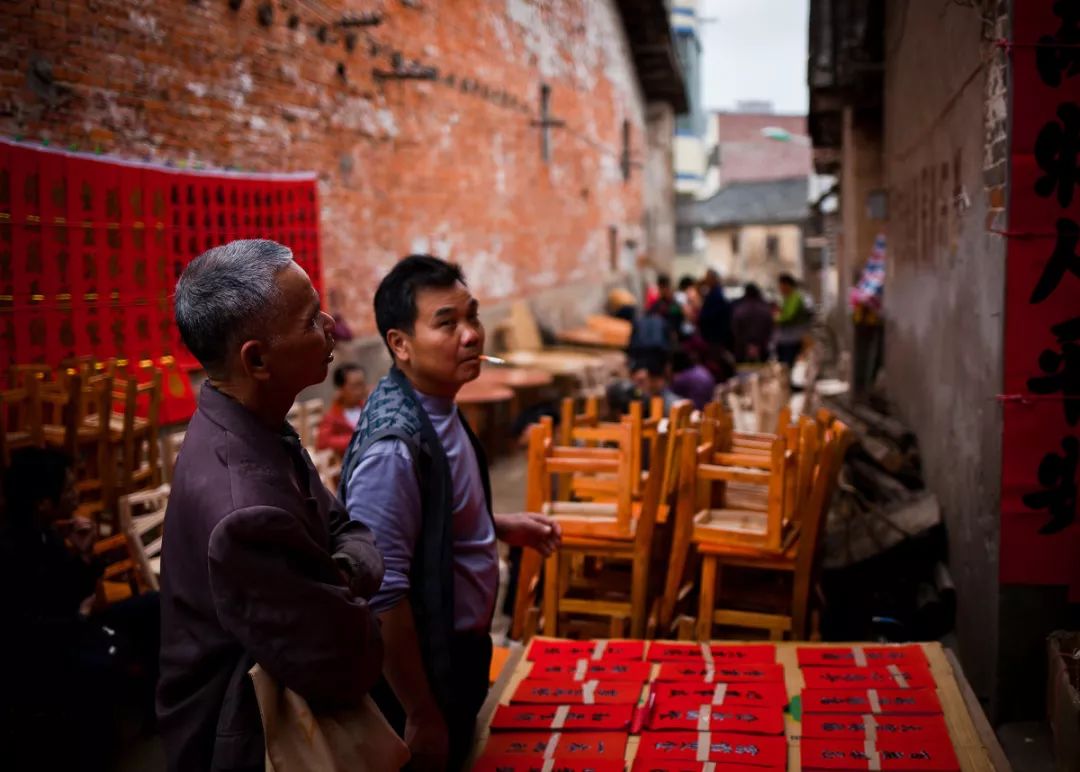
(224, 293)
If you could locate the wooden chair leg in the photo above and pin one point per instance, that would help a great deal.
(532, 623)
(552, 589)
(706, 597)
(528, 571)
(618, 627)
(686, 626)
(639, 595)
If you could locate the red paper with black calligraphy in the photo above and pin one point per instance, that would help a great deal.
(876, 701)
(751, 750)
(557, 745)
(587, 669)
(697, 717)
(870, 727)
(597, 650)
(563, 717)
(672, 765)
(512, 764)
(897, 755)
(666, 651)
(1041, 418)
(578, 693)
(891, 677)
(702, 672)
(861, 656)
(766, 694)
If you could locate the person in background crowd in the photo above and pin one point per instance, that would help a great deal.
(714, 326)
(417, 476)
(651, 378)
(793, 322)
(622, 304)
(667, 307)
(692, 380)
(260, 563)
(752, 326)
(689, 299)
(339, 422)
(67, 669)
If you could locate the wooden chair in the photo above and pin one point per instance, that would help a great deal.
(311, 415)
(134, 437)
(75, 419)
(20, 419)
(787, 612)
(170, 449)
(633, 545)
(141, 518)
(328, 465)
(18, 375)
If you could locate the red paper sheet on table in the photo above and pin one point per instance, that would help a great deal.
(597, 650)
(897, 755)
(1040, 460)
(664, 651)
(869, 727)
(563, 717)
(891, 677)
(861, 656)
(696, 717)
(583, 693)
(876, 701)
(557, 745)
(671, 765)
(764, 694)
(751, 750)
(699, 672)
(587, 670)
(511, 764)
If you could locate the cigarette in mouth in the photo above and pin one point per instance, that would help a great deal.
(492, 360)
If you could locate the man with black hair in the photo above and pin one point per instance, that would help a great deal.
(338, 424)
(416, 475)
(667, 307)
(260, 563)
(752, 326)
(63, 665)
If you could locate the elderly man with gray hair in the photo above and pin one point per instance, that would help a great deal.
(260, 563)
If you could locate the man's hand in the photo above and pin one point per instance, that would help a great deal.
(359, 580)
(428, 740)
(528, 529)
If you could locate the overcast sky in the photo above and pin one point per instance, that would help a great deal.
(754, 49)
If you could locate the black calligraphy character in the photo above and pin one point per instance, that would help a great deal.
(892, 755)
(920, 755)
(1057, 476)
(1055, 151)
(1059, 54)
(1062, 260)
(1062, 369)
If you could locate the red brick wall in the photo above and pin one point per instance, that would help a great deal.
(450, 166)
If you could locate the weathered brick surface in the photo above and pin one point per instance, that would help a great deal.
(452, 166)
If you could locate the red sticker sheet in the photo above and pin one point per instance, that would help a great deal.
(764, 694)
(578, 693)
(557, 745)
(891, 677)
(587, 670)
(870, 727)
(875, 701)
(672, 765)
(694, 717)
(698, 672)
(751, 750)
(664, 651)
(862, 656)
(512, 764)
(563, 717)
(898, 755)
(595, 650)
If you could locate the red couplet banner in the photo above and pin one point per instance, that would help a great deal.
(91, 248)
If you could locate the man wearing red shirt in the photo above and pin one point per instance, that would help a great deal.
(336, 427)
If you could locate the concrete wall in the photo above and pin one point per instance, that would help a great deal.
(945, 289)
(752, 261)
(451, 165)
(659, 174)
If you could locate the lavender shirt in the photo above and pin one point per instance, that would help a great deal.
(384, 494)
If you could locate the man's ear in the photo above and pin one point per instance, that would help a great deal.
(400, 344)
(253, 360)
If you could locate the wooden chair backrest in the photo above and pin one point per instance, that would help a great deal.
(815, 511)
(570, 419)
(139, 444)
(547, 460)
(677, 421)
(20, 415)
(142, 521)
(18, 375)
(60, 407)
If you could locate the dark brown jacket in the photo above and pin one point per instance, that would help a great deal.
(250, 573)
